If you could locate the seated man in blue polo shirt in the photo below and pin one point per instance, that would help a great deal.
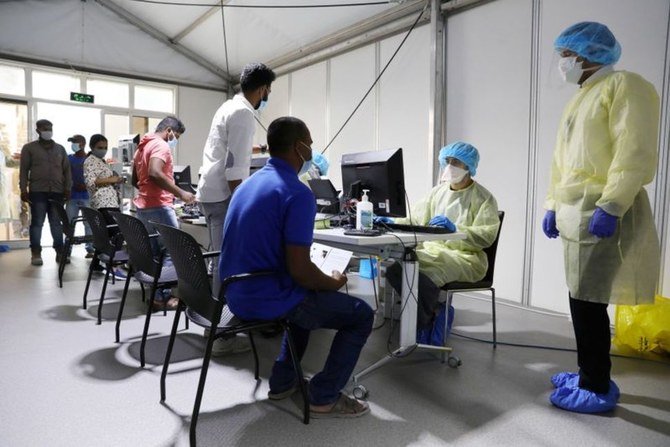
(269, 226)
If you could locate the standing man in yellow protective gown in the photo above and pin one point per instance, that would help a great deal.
(606, 151)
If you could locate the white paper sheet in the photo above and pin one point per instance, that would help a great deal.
(329, 258)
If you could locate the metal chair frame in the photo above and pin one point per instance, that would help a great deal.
(69, 227)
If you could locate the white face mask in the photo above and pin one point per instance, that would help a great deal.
(571, 70)
(453, 174)
(46, 135)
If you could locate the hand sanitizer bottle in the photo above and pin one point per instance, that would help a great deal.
(364, 212)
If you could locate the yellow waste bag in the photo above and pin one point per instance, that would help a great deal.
(645, 327)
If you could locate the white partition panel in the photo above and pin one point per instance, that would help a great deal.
(196, 110)
(308, 100)
(488, 87)
(404, 105)
(277, 106)
(351, 75)
(641, 29)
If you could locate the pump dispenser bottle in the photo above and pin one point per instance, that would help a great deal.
(364, 212)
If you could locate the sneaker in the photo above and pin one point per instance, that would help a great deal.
(120, 274)
(234, 345)
(36, 259)
(89, 255)
(279, 395)
(170, 304)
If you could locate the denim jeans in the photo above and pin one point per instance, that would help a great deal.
(163, 215)
(215, 216)
(72, 210)
(40, 208)
(351, 317)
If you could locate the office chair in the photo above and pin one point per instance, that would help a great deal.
(70, 238)
(147, 269)
(484, 284)
(107, 250)
(196, 300)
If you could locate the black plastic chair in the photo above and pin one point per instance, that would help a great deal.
(485, 284)
(145, 267)
(107, 251)
(205, 310)
(70, 238)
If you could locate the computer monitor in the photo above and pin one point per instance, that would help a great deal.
(382, 173)
(327, 200)
(182, 177)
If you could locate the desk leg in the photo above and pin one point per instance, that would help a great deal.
(409, 304)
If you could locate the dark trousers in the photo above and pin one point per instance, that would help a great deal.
(592, 333)
(40, 208)
(351, 317)
(429, 294)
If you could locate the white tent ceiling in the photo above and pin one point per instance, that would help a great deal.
(181, 42)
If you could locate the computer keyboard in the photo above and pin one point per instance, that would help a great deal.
(415, 228)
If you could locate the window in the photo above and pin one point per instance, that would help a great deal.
(154, 98)
(14, 216)
(107, 93)
(54, 86)
(69, 120)
(12, 80)
(116, 126)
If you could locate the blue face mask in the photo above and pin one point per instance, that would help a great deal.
(75, 147)
(262, 105)
(306, 164)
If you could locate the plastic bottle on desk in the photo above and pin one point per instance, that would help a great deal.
(364, 212)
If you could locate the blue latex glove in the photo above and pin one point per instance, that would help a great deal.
(549, 225)
(382, 220)
(602, 224)
(442, 221)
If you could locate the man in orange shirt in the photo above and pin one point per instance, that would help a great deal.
(152, 176)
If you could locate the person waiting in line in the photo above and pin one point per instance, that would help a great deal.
(79, 196)
(226, 161)
(606, 151)
(269, 227)
(153, 177)
(45, 176)
(461, 204)
(102, 183)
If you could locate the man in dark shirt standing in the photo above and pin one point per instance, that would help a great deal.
(44, 175)
(269, 226)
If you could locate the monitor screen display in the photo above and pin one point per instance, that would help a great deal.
(182, 177)
(382, 173)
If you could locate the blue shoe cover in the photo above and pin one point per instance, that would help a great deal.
(437, 336)
(581, 400)
(565, 379)
(423, 336)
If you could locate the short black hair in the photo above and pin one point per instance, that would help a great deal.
(173, 123)
(256, 75)
(284, 132)
(42, 123)
(95, 139)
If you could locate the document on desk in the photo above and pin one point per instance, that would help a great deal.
(329, 258)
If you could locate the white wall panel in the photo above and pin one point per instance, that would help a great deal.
(404, 104)
(488, 87)
(351, 75)
(308, 100)
(196, 110)
(641, 29)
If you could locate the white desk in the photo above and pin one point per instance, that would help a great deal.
(400, 246)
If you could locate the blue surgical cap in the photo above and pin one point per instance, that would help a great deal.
(591, 40)
(320, 162)
(464, 152)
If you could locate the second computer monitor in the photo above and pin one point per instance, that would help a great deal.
(182, 177)
(381, 172)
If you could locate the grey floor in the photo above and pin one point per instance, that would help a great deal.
(64, 382)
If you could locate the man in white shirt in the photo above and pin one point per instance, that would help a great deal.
(226, 158)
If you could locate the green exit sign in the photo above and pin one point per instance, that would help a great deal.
(81, 97)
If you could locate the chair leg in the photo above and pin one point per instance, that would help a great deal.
(186, 324)
(88, 280)
(61, 265)
(253, 348)
(201, 384)
(168, 353)
(122, 305)
(493, 313)
(147, 319)
(102, 296)
(299, 374)
(446, 323)
(144, 298)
